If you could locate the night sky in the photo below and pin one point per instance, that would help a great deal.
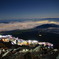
(22, 9)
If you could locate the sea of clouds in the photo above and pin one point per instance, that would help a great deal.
(24, 25)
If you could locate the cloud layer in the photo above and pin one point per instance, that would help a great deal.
(23, 25)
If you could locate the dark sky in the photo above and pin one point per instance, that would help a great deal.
(17, 9)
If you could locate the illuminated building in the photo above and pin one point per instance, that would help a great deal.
(5, 40)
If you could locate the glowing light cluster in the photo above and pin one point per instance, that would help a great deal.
(7, 38)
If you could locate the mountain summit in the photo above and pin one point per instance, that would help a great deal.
(47, 26)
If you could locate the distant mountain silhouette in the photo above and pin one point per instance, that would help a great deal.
(22, 20)
(47, 26)
(51, 19)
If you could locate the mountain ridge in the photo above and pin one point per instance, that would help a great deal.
(47, 26)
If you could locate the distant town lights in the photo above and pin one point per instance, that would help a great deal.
(29, 41)
(34, 41)
(40, 35)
